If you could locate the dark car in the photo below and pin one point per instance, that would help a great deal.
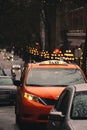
(70, 111)
(7, 90)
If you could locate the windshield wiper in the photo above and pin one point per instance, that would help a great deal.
(40, 85)
(35, 85)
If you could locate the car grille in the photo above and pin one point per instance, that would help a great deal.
(48, 101)
(6, 94)
(43, 117)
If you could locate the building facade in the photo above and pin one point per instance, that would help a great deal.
(72, 18)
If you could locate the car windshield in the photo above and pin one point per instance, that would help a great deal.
(79, 106)
(6, 81)
(8, 72)
(53, 77)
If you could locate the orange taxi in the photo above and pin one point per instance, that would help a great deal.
(41, 84)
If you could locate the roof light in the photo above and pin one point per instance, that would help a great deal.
(53, 62)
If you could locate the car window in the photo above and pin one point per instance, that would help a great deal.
(8, 72)
(79, 106)
(62, 102)
(54, 76)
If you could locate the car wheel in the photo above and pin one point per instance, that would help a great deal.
(20, 124)
(41, 126)
(17, 119)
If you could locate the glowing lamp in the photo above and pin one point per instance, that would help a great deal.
(56, 51)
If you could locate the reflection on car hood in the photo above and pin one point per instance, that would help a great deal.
(47, 92)
(79, 124)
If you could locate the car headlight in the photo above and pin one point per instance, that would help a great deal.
(19, 70)
(13, 71)
(34, 98)
(31, 97)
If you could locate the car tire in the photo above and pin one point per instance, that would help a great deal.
(17, 118)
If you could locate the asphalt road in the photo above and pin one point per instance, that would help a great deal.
(7, 118)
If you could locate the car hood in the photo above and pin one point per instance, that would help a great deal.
(2, 87)
(79, 124)
(47, 92)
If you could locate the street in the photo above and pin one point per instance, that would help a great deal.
(48, 40)
(7, 118)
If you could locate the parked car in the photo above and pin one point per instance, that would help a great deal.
(70, 111)
(7, 90)
(41, 84)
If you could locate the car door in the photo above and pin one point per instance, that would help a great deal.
(62, 107)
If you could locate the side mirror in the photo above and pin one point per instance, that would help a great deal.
(56, 116)
(17, 82)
